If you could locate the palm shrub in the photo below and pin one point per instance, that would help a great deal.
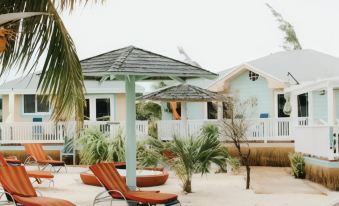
(146, 155)
(195, 155)
(297, 165)
(210, 130)
(96, 147)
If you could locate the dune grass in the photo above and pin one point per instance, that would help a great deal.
(267, 156)
(329, 177)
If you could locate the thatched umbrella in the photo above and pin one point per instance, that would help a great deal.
(132, 64)
(183, 93)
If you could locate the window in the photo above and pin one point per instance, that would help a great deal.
(35, 104)
(281, 104)
(303, 105)
(42, 104)
(86, 110)
(212, 110)
(103, 112)
(253, 76)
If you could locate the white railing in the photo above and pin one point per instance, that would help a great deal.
(112, 128)
(303, 121)
(167, 129)
(270, 129)
(50, 132)
(31, 132)
(318, 141)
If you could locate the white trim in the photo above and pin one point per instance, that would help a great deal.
(271, 79)
(92, 105)
(36, 113)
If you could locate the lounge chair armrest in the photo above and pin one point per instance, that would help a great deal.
(49, 157)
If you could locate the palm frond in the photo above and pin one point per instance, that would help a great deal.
(45, 38)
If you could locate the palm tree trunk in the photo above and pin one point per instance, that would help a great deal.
(188, 186)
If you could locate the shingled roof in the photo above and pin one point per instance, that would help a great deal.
(135, 61)
(183, 92)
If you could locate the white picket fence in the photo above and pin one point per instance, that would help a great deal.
(50, 132)
(270, 129)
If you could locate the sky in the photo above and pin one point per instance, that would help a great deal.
(218, 34)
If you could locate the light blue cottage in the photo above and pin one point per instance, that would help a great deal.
(265, 80)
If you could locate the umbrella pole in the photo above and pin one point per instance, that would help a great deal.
(184, 118)
(130, 133)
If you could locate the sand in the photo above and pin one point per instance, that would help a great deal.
(270, 187)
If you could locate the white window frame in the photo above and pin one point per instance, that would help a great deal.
(35, 106)
(92, 105)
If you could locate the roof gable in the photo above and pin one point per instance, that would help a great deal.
(304, 65)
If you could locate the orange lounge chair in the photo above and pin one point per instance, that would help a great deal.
(36, 175)
(17, 185)
(36, 154)
(109, 177)
(13, 160)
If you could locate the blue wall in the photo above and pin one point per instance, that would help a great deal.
(244, 88)
(320, 105)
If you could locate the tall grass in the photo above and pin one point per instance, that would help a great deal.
(329, 177)
(266, 156)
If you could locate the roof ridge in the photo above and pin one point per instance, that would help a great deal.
(182, 62)
(122, 58)
(104, 53)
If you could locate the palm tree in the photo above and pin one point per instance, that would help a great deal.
(192, 155)
(45, 38)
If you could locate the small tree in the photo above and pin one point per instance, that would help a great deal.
(234, 129)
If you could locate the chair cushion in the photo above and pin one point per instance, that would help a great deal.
(42, 201)
(151, 197)
(40, 174)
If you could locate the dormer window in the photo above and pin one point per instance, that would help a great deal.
(253, 76)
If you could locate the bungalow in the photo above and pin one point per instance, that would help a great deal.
(21, 106)
(265, 79)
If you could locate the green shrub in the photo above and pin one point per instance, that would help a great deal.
(210, 130)
(297, 165)
(96, 147)
(146, 155)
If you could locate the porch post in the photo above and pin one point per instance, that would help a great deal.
(130, 133)
(92, 109)
(294, 111)
(220, 111)
(310, 108)
(11, 103)
(331, 110)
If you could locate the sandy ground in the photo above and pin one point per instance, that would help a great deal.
(270, 187)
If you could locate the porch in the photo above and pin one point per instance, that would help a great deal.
(261, 129)
(55, 133)
(316, 135)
